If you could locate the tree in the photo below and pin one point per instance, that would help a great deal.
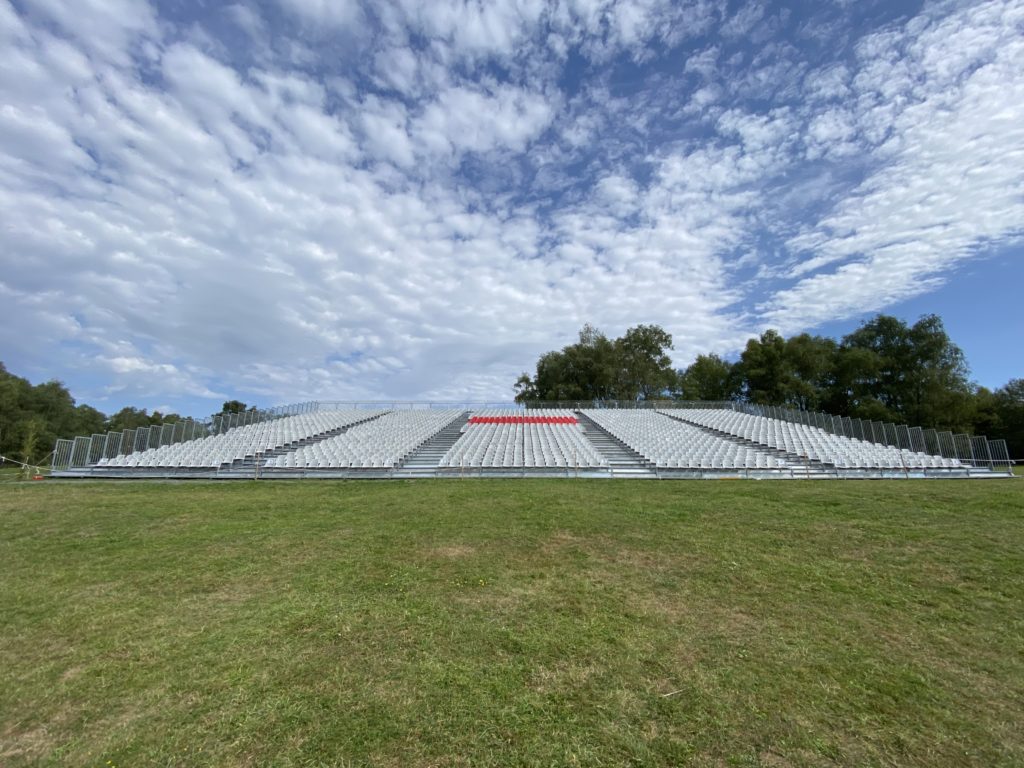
(597, 368)
(87, 421)
(555, 378)
(129, 418)
(709, 377)
(33, 417)
(593, 362)
(234, 406)
(581, 371)
(885, 370)
(849, 393)
(1009, 407)
(919, 374)
(644, 365)
(810, 361)
(986, 418)
(30, 442)
(157, 418)
(13, 412)
(763, 369)
(525, 389)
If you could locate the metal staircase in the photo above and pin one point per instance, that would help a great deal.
(623, 461)
(423, 462)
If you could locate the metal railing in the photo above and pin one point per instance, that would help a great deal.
(971, 450)
(405, 405)
(82, 452)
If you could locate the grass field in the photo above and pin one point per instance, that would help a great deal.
(512, 623)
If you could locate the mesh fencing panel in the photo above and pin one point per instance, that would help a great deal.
(982, 457)
(62, 454)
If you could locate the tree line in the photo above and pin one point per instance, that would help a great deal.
(885, 370)
(33, 417)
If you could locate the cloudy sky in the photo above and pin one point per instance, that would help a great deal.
(298, 199)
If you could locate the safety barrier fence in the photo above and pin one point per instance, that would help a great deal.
(974, 450)
(86, 451)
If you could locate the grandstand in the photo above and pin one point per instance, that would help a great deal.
(618, 440)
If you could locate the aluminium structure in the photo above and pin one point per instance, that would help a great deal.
(614, 440)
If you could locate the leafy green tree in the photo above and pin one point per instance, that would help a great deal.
(810, 362)
(555, 379)
(13, 401)
(593, 361)
(764, 369)
(597, 368)
(129, 418)
(885, 370)
(525, 389)
(233, 406)
(581, 371)
(86, 422)
(986, 417)
(644, 365)
(920, 375)
(52, 402)
(796, 372)
(850, 393)
(33, 417)
(1009, 407)
(157, 418)
(709, 377)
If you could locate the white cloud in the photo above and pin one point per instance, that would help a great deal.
(106, 29)
(831, 133)
(397, 68)
(474, 120)
(704, 63)
(425, 222)
(832, 82)
(743, 21)
(385, 131)
(950, 177)
(332, 14)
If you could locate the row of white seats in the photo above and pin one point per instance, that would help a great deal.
(523, 445)
(383, 442)
(812, 443)
(240, 442)
(672, 444)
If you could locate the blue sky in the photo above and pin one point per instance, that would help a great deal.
(302, 199)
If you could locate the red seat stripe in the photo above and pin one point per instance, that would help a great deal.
(523, 420)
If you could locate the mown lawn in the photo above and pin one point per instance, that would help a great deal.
(512, 623)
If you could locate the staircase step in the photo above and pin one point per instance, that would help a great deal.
(623, 461)
(428, 456)
(793, 461)
(250, 460)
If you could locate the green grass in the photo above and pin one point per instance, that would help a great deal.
(512, 623)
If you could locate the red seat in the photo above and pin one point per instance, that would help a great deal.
(523, 420)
